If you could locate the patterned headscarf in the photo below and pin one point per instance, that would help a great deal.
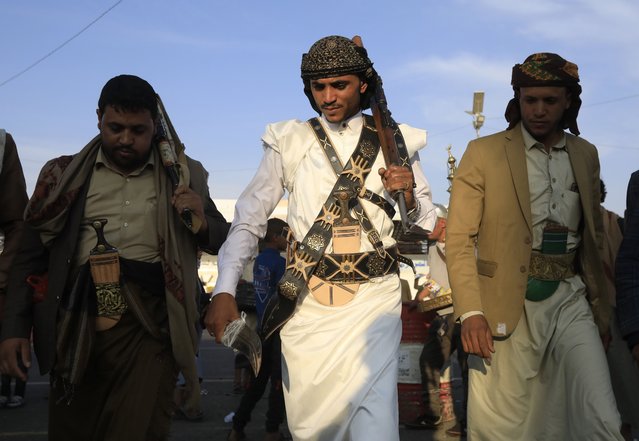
(58, 187)
(334, 56)
(546, 70)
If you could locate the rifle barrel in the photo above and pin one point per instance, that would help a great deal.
(386, 133)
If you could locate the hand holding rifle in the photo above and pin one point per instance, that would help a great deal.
(397, 177)
(167, 149)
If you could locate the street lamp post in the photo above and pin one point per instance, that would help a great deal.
(478, 107)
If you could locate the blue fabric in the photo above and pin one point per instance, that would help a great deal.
(268, 269)
(627, 267)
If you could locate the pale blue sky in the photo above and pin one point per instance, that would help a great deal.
(227, 68)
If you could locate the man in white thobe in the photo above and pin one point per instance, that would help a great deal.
(339, 361)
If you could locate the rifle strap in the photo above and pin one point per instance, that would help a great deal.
(353, 167)
(329, 150)
(360, 213)
(338, 168)
(309, 251)
(402, 151)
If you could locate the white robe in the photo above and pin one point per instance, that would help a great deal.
(339, 363)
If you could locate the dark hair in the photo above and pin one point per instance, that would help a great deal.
(602, 198)
(275, 227)
(130, 93)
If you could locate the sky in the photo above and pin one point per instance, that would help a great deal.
(225, 69)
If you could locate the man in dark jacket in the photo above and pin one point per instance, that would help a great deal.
(13, 200)
(627, 270)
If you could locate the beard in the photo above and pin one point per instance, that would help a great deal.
(125, 158)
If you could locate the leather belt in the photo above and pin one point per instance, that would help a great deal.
(357, 267)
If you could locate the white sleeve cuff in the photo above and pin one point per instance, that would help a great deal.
(469, 314)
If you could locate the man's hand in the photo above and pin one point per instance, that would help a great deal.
(221, 311)
(9, 350)
(185, 198)
(396, 178)
(476, 336)
(424, 293)
(635, 353)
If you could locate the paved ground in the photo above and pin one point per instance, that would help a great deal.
(30, 421)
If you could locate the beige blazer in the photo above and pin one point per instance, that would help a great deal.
(489, 230)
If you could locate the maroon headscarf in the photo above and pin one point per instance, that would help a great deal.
(546, 70)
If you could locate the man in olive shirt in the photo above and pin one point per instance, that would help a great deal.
(115, 326)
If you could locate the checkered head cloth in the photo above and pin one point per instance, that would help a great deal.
(546, 69)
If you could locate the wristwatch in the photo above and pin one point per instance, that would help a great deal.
(413, 213)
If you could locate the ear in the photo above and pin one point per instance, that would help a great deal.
(363, 86)
(97, 111)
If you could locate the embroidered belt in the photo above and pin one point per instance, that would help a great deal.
(552, 266)
(357, 267)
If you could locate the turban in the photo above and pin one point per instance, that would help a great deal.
(335, 56)
(546, 70)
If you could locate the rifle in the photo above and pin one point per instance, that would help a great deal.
(166, 147)
(386, 128)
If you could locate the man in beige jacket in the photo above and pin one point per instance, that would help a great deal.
(524, 262)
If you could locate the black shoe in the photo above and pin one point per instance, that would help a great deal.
(425, 421)
(459, 430)
(181, 414)
(236, 435)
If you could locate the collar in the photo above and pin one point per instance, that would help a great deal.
(531, 142)
(102, 161)
(354, 123)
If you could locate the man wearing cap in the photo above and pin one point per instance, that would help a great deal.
(523, 248)
(340, 339)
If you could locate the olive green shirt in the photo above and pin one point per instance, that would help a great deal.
(129, 204)
(554, 195)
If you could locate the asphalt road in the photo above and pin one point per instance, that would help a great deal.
(30, 421)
